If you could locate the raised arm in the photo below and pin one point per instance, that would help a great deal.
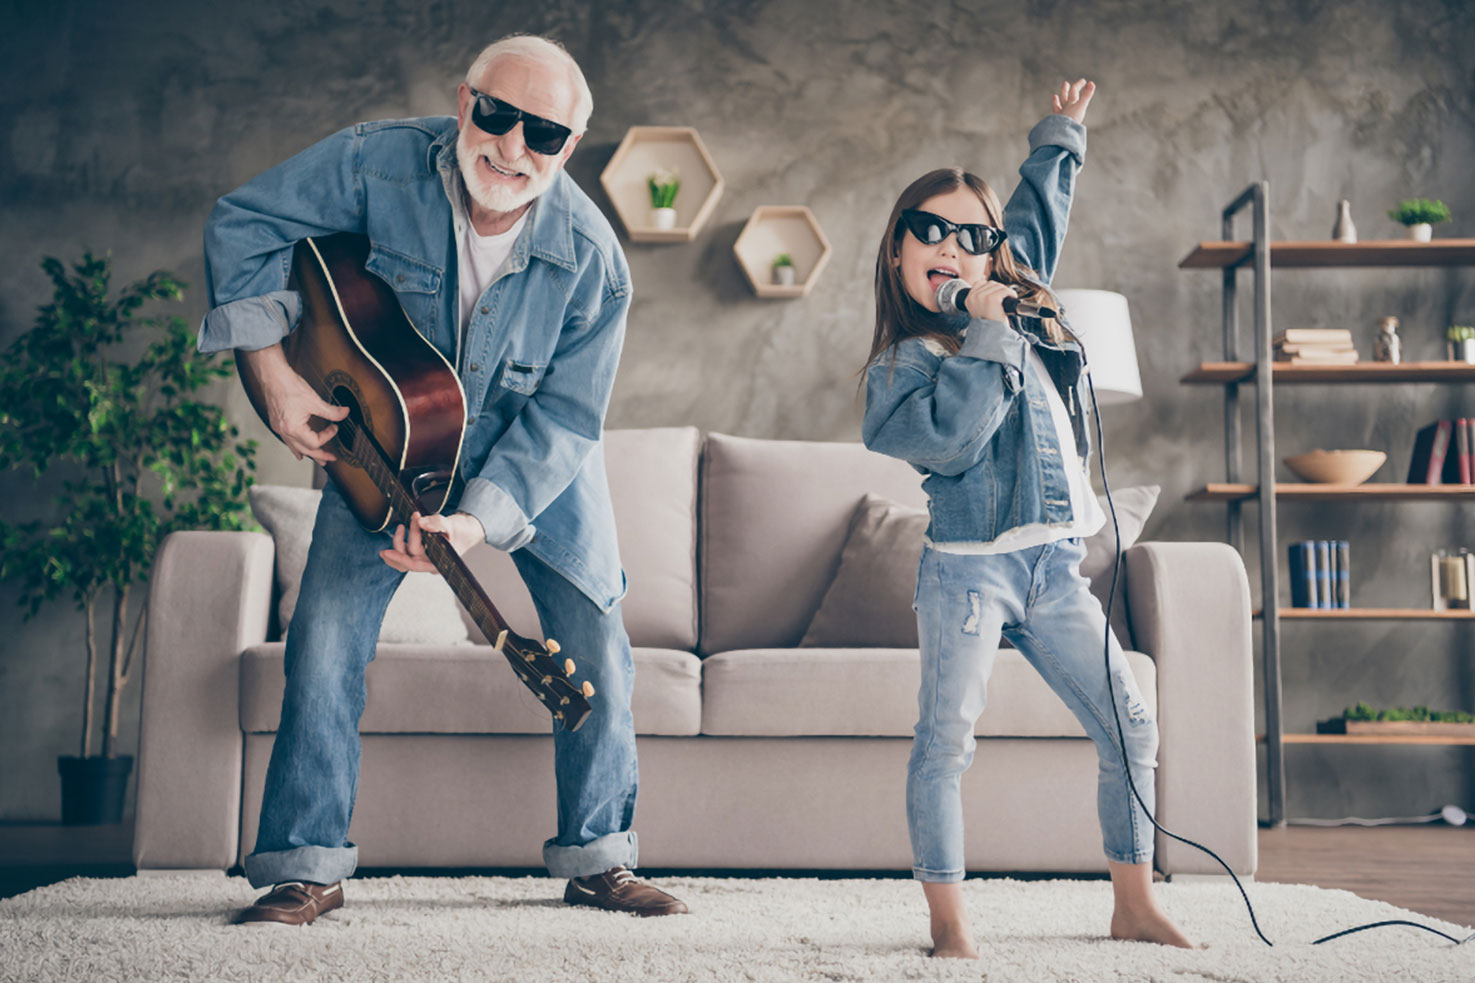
(1039, 210)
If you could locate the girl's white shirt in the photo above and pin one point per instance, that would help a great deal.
(1087, 516)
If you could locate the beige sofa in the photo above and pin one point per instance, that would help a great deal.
(754, 753)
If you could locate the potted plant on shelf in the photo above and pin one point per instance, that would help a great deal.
(783, 270)
(1459, 342)
(1420, 720)
(1420, 215)
(663, 185)
(105, 397)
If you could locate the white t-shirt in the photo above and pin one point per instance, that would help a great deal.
(479, 258)
(1088, 516)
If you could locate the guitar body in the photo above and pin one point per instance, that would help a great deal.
(357, 348)
(398, 449)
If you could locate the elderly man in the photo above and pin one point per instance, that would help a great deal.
(503, 264)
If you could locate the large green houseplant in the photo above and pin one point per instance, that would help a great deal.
(98, 403)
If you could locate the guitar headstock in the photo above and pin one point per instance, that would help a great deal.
(551, 680)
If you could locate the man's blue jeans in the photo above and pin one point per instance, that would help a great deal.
(312, 778)
(1037, 598)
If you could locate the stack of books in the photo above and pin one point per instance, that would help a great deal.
(1320, 574)
(1442, 454)
(1315, 346)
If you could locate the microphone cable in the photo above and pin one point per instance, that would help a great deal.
(1116, 713)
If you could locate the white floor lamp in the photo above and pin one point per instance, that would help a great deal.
(1102, 321)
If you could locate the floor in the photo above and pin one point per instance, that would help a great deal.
(1428, 869)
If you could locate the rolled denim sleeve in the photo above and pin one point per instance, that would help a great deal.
(251, 231)
(542, 451)
(1039, 210)
(941, 421)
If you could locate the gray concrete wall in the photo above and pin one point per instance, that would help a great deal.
(121, 122)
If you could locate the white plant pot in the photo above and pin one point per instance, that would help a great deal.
(1422, 232)
(783, 276)
(1461, 351)
(663, 218)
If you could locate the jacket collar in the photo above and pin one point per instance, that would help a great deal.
(552, 232)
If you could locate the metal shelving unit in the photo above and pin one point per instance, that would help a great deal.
(1260, 255)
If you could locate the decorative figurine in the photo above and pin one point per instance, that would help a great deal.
(1387, 346)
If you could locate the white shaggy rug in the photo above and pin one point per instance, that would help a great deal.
(838, 931)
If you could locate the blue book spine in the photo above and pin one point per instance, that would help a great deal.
(1344, 577)
(1300, 581)
(1323, 573)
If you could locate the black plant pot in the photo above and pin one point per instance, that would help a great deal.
(92, 788)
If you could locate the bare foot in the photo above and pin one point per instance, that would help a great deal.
(953, 943)
(1147, 926)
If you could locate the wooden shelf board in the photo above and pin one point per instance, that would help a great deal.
(1369, 614)
(1330, 255)
(1371, 491)
(1367, 739)
(1220, 373)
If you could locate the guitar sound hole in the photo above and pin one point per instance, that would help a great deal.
(344, 396)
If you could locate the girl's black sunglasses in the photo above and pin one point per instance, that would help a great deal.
(542, 136)
(930, 229)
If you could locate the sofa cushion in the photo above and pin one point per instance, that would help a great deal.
(869, 603)
(423, 609)
(417, 689)
(872, 692)
(774, 518)
(653, 488)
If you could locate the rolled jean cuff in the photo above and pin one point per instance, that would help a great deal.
(314, 864)
(594, 857)
(1140, 857)
(937, 876)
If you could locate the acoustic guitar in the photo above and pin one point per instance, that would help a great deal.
(398, 448)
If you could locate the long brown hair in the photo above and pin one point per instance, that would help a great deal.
(898, 316)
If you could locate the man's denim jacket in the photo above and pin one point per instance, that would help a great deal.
(976, 423)
(540, 352)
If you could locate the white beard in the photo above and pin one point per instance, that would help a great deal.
(494, 197)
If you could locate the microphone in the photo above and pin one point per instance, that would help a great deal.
(952, 295)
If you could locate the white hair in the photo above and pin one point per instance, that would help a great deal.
(548, 51)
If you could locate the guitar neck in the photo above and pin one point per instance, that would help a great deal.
(438, 549)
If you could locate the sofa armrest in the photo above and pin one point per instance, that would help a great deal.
(1189, 605)
(209, 599)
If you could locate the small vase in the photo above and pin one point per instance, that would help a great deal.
(1344, 230)
(663, 218)
(92, 789)
(783, 276)
(1461, 351)
(1422, 232)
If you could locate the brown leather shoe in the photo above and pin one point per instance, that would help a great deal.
(293, 903)
(617, 889)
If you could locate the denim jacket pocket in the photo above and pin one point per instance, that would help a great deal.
(416, 284)
(522, 377)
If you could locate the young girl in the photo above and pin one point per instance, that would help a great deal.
(992, 413)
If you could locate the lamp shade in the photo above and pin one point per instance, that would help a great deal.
(1104, 325)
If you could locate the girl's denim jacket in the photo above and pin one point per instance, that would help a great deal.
(976, 423)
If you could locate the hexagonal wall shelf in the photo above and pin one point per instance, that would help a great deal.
(775, 229)
(645, 150)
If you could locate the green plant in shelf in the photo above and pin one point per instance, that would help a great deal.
(782, 260)
(1459, 332)
(1420, 713)
(1420, 211)
(663, 185)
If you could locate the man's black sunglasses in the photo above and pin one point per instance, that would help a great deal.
(542, 136)
(976, 240)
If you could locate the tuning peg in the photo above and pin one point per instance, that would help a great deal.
(552, 646)
(501, 640)
(588, 688)
(543, 697)
(568, 667)
(558, 715)
(546, 681)
(563, 702)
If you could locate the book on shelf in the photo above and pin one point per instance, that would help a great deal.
(1323, 574)
(1305, 349)
(1318, 358)
(1444, 454)
(1344, 578)
(1320, 573)
(1300, 336)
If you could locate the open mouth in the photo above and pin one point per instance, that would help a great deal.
(500, 172)
(939, 275)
